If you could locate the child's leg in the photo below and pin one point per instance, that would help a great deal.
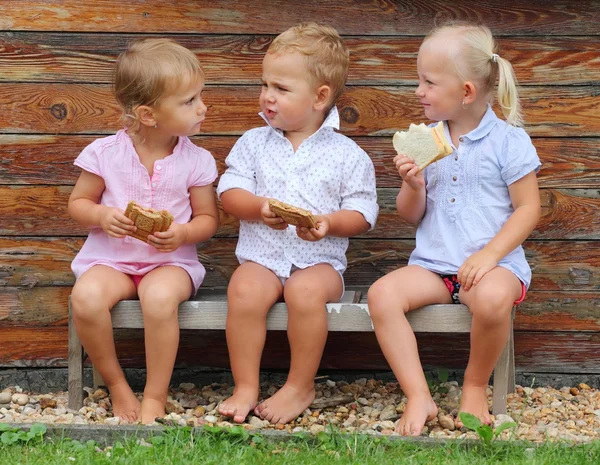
(390, 298)
(161, 291)
(252, 291)
(491, 303)
(306, 292)
(94, 294)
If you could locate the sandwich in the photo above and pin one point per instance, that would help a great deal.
(292, 215)
(424, 145)
(147, 220)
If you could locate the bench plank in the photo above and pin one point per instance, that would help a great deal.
(212, 314)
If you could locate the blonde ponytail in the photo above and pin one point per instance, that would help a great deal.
(508, 94)
(476, 59)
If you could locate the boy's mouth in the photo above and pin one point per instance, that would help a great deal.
(270, 113)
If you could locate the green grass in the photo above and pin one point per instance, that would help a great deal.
(219, 447)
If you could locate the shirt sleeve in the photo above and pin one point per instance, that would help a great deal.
(205, 171)
(358, 189)
(89, 159)
(518, 157)
(240, 172)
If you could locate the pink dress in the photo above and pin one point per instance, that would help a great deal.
(115, 160)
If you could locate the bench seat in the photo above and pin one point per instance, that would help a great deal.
(208, 311)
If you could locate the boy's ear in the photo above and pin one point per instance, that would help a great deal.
(470, 92)
(323, 97)
(145, 115)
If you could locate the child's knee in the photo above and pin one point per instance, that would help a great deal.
(491, 305)
(159, 303)
(379, 297)
(88, 301)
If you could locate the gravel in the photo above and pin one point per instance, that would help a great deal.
(366, 405)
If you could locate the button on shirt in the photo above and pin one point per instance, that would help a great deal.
(327, 173)
(468, 199)
(115, 160)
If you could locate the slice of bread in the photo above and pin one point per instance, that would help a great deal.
(147, 220)
(424, 145)
(292, 215)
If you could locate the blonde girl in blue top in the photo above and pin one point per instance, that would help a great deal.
(474, 209)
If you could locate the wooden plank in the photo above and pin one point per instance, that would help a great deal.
(552, 352)
(557, 265)
(237, 59)
(48, 159)
(567, 214)
(541, 311)
(82, 108)
(340, 317)
(401, 17)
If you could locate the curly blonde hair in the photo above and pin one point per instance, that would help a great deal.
(149, 70)
(327, 57)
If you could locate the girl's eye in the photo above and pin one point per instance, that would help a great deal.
(189, 102)
(428, 82)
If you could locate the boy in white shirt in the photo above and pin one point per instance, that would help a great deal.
(299, 159)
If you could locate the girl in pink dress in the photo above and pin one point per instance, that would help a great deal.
(158, 84)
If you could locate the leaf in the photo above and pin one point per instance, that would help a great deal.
(323, 437)
(443, 375)
(469, 420)
(38, 428)
(443, 390)
(157, 440)
(485, 432)
(5, 427)
(504, 426)
(9, 437)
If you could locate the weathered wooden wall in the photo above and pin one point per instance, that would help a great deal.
(55, 98)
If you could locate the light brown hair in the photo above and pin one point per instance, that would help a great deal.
(327, 57)
(149, 70)
(476, 59)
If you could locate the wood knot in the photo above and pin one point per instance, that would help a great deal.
(59, 111)
(349, 115)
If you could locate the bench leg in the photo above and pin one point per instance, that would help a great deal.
(98, 381)
(75, 366)
(504, 374)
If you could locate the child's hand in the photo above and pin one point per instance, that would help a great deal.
(408, 171)
(169, 240)
(474, 268)
(271, 219)
(315, 234)
(114, 222)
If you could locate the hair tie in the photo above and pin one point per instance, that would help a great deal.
(495, 57)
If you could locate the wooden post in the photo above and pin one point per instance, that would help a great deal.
(75, 366)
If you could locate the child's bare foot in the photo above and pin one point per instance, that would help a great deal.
(125, 404)
(286, 404)
(418, 411)
(151, 408)
(239, 404)
(474, 400)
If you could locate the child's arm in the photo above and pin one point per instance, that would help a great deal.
(412, 198)
(202, 226)
(525, 197)
(246, 206)
(85, 209)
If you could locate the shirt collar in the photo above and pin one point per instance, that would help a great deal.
(332, 120)
(486, 124)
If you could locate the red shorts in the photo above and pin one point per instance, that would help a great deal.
(451, 282)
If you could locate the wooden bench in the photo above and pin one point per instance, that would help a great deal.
(208, 311)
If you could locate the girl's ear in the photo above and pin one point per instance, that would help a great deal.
(145, 115)
(470, 92)
(323, 97)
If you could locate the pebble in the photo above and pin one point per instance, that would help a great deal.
(367, 406)
(20, 399)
